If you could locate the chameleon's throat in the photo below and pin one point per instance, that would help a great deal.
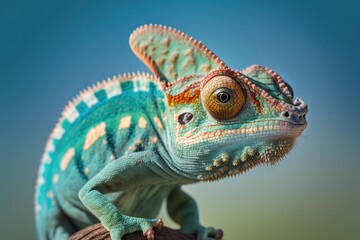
(225, 166)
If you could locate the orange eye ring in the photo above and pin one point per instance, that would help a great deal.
(223, 97)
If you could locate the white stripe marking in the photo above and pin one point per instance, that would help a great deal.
(58, 132)
(89, 99)
(136, 87)
(144, 85)
(71, 114)
(113, 89)
(40, 181)
(45, 158)
(50, 146)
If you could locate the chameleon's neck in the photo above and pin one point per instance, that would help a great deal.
(170, 165)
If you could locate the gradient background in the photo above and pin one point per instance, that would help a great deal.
(50, 50)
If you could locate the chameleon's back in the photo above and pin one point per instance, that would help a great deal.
(112, 119)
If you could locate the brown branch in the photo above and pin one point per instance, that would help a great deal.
(98, 232)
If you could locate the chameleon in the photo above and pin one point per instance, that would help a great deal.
(127, 144)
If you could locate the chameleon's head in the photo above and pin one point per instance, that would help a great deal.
(227, 121)
(220, 122)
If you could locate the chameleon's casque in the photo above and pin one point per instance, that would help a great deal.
(126, 144)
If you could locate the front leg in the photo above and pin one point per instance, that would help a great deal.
(138, 169)
(184, 211)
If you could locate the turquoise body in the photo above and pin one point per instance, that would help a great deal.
(58, 198)
(125, 145)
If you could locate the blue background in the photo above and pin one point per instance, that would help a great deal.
(50, 50)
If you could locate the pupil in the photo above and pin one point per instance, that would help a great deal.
(223, 97)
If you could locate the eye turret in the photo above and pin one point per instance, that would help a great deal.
(223, 97)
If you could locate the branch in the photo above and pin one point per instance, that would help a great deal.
(98, 232)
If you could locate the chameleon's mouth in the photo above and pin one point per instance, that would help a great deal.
(248, 158)
(264, 128)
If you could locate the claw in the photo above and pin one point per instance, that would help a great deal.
(159, 223)
(149, 234)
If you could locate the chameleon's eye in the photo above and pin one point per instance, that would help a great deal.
(223, 97)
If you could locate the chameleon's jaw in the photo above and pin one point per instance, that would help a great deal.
(228, 165)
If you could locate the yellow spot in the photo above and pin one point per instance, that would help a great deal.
(142, 123)
(236, 163)
(158, 123)
(66, 158)
(217, 163)
(143, 46)
(174, 57)
(104, 142)
(86, 170)
(50, 194)
(112, 157)
(151, 40)
(210, 168)
(55, 178)
(172, 72)
(225, 158)
(160, 62)
(125, 122)
(154, 139)
(165, 42)
(188, 52)
(205, 67)
(94, 134)
(189, 63)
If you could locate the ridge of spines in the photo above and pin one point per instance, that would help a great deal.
(276, 77)
(96, 86)
(101, 84)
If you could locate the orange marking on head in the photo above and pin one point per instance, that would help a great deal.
(256, 102)
(187, 96)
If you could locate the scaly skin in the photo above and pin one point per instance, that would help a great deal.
(124, 145)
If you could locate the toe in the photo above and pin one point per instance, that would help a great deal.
(159, 223)
(149, 234)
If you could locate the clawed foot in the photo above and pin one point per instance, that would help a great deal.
(137, 224)
(210, 233)
(150, 234)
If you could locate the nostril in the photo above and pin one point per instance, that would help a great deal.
(300, 116)
(287, 114)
